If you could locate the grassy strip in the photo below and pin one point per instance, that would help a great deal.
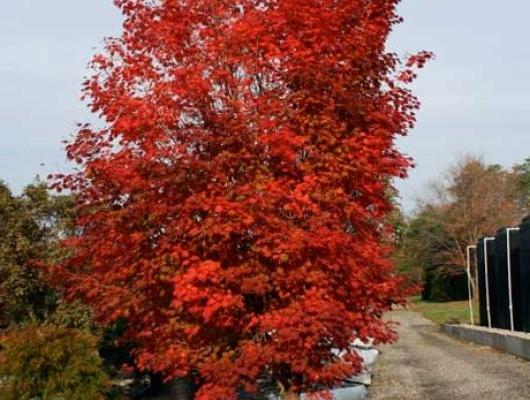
(439, 313)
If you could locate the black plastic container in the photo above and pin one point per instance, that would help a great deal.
(492, 275)
(524, 274)
(486, 280)
(515, 244)
(502, 317)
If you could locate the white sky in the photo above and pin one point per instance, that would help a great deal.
(475, 95)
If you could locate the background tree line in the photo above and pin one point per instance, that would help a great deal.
(472, 199)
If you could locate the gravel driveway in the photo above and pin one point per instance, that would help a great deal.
(427, 365)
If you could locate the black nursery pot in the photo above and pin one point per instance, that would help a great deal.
(524, 275)
(486, 279)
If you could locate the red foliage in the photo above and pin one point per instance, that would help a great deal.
(232, 208)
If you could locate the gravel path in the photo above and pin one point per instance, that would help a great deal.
(427, 365)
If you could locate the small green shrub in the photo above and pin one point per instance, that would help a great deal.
(50, 363)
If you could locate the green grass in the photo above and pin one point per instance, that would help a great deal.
(439, 313)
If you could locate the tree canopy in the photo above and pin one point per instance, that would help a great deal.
(30, 229)
(232, 209)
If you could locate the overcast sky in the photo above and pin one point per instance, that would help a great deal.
(475, 95)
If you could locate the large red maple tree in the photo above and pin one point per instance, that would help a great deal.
(232, 206)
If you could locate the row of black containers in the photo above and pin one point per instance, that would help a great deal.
(492, 265)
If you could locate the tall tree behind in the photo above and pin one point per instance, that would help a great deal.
(479, 199)
(474, 199)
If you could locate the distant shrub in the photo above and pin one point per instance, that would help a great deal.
(50, 363)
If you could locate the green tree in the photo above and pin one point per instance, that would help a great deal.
(30, 227)
(420, 257)
(47, 344)
(522, 172)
